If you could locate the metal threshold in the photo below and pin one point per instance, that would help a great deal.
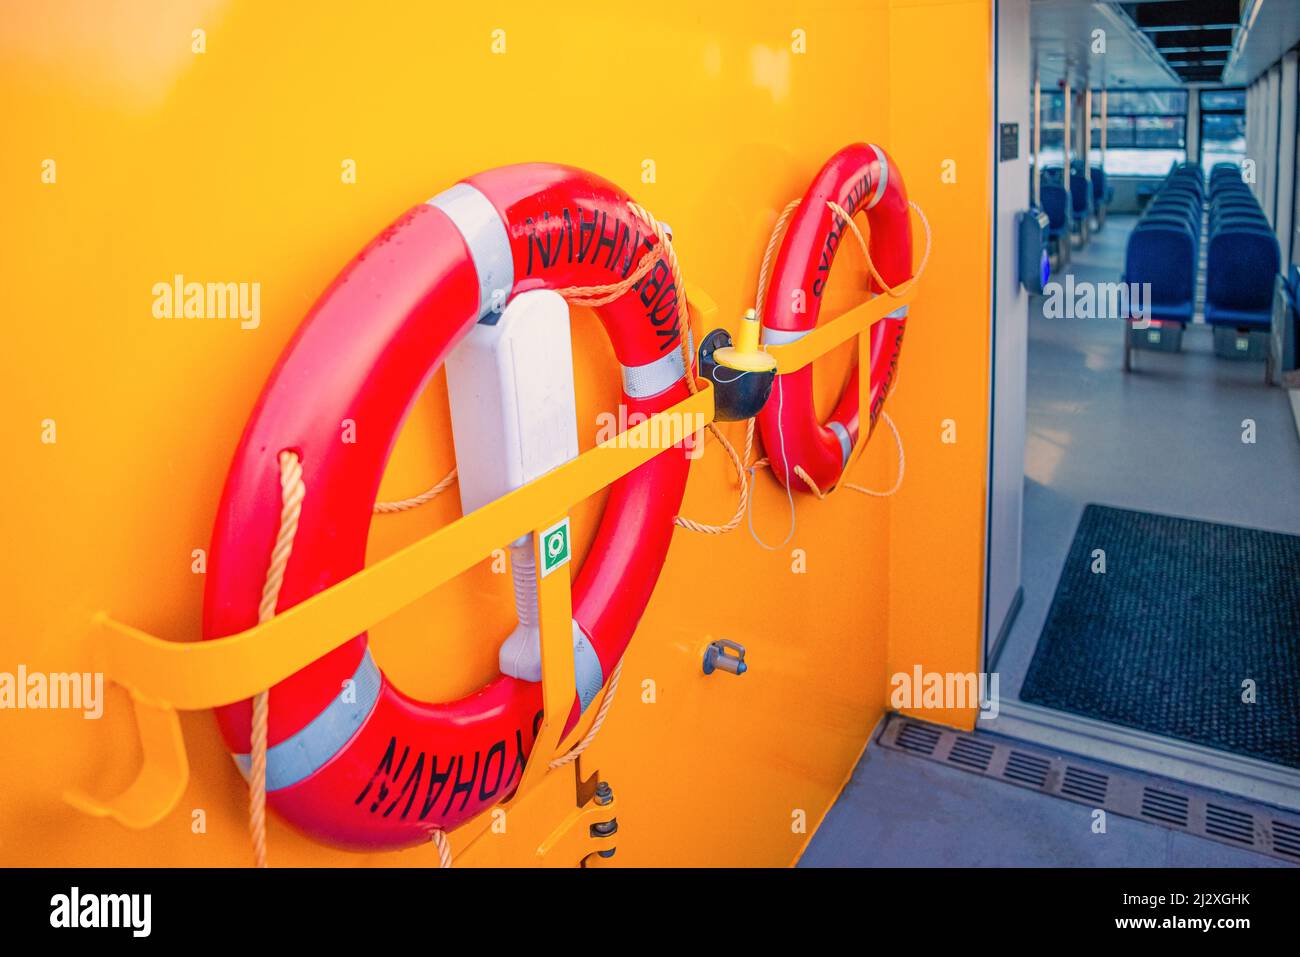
(1222, 771)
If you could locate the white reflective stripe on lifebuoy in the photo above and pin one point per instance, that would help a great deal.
(641, 382)
(881, 183)
(782, 337)
(846, 444)
(485, 234)
(303, 754)
(588, 676)
(899, 313)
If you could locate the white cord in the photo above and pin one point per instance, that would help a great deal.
(902, 463)
(780, 431)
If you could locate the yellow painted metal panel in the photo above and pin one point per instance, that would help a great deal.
(936, 553)
(231, 165)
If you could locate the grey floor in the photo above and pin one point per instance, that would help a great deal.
(1164, 438)
(903, 811)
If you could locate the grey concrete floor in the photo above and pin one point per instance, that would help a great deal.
(1165, 438)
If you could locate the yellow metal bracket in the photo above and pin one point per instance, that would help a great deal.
(793, 356)
(163, 676)
(163, 775)
(577, 837)
(858, 322)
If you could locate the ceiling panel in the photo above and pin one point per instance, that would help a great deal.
(1270, 29)
(1195, 37)
(1062, 33)
(1161, 43)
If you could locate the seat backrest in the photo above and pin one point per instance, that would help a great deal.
(1052, 198)
(1188, 217)
(1080, 196)
(1239, 223)
(1164, 257)
(1098, 184)
(1241, 265)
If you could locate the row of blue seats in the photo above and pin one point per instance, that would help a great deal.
(1242, 258)
(1065, 210)
(1164, 247)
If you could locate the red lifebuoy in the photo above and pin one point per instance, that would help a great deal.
(381, 769)
(858, 177)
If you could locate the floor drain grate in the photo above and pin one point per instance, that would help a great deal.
(1286, 840)
(918, 738)
(1132, 794)
(1087, 786)
(1165, 807)
(971, 753)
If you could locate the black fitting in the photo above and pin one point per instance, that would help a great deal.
(737, 395)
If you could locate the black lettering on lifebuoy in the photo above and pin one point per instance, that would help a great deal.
(851, 205)
(518, 766)
(586, 233)
(430, 797)
(622, 246)
(417, 772)
(389, 770)
(464, 787)
(606, 240)
(385, 765)
(568, 232)
(498, 751)
(879, 402)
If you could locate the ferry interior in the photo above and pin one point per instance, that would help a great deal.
(1145, 475)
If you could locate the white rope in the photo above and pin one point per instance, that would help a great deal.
(439, 840)
(292, 492)
(594, 730)
(902, 464)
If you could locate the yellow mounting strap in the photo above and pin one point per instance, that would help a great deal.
(858, 322)
(163, 676)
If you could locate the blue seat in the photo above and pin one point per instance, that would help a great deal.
(1241, 267)
(1101, 192)
(1239, 222)
(1164, 255)
(1165, 208)
(1080, 196)
(1189, 219)
(1052, 198)
(1223, 200)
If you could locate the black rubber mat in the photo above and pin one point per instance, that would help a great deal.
(1165, 639)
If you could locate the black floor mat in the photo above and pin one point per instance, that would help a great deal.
(1164, 640)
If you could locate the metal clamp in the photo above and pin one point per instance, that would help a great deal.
(725, 655)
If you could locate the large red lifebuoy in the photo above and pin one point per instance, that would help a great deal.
(858, 177)
(381, 769)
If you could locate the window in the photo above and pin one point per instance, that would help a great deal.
(1050, 148)
(1146, 131)
(1223, 127)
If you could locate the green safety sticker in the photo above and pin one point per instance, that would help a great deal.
(555, 547)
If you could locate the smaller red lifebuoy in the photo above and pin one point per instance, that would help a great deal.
(858, 178)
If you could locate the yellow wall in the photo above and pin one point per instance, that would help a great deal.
(226, 166)
(940, 123)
